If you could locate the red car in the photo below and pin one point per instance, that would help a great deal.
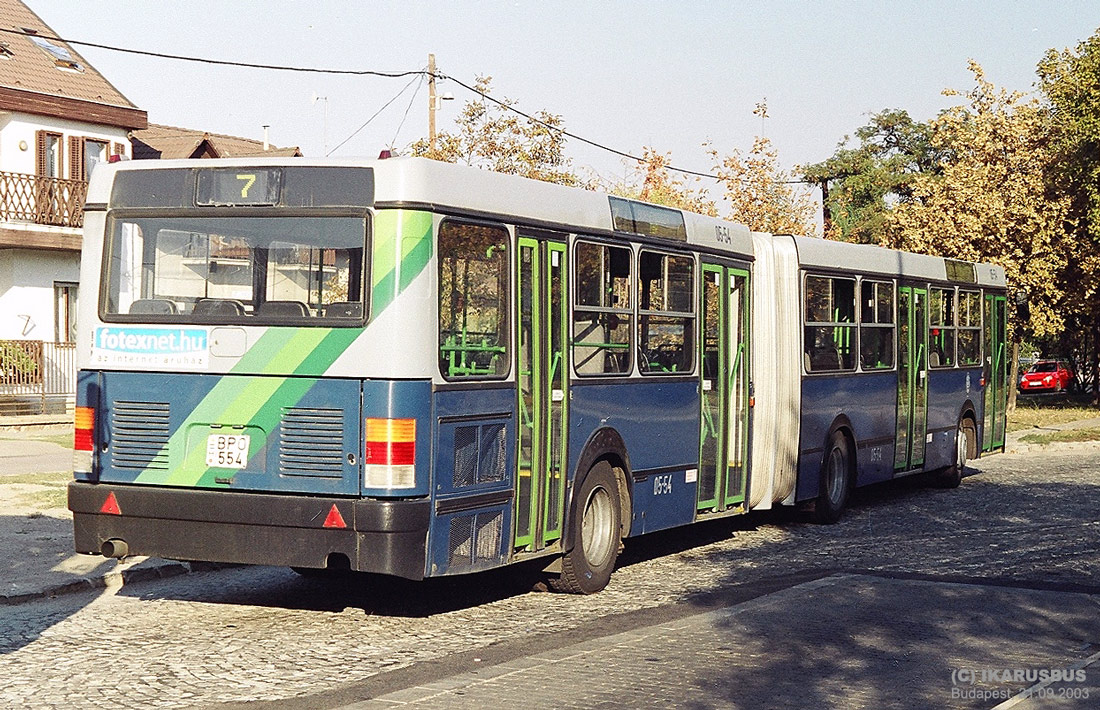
(1047, 375)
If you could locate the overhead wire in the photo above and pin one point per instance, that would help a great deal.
(375, 114)
(421, 73)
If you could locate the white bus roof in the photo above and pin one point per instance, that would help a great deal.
(430, 183)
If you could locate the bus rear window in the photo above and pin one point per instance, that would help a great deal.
(302, 270)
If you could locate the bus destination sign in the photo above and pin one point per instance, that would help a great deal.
(239, 186)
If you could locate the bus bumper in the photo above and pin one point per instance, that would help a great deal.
(380, 536)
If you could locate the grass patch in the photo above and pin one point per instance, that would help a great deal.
(63, 440)
(47, 499)
(1050, 410)
(59, 478)
(1047, 437)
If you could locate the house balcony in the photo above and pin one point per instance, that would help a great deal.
(41, 212)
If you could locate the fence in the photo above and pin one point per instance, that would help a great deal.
(36, 377)
(42, 200)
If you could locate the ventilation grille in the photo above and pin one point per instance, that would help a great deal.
(139, 435)
(475, 539)
(311, 442)
(480, 454)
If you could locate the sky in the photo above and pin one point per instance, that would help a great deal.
(670, 75)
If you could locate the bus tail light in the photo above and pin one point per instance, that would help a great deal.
(390, 453)
(83, 439)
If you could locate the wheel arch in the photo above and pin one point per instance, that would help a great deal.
(969, 412)
(605, 444)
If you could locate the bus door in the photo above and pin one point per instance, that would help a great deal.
(724, 389)
(994, 372)
(912, 418)
(542, 381)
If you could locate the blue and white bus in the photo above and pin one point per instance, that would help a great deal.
(418, 369)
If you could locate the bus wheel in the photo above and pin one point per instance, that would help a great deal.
(836, 476)
(587, 567)
(951, 476)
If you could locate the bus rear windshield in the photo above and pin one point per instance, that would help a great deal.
(305, 270)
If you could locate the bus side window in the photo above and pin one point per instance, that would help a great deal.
(829, 310)
(603, 319)
(473, 293)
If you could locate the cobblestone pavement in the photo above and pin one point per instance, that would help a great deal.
(251, 634)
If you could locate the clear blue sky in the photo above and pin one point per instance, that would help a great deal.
(628, 74)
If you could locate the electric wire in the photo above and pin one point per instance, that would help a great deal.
(421, 73)
(416, 92)
(375, 115)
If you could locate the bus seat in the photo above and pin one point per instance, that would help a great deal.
(218, 307)
(283, 309)
(342, 309)
(588, 359)
(933, 359)
(154, 307)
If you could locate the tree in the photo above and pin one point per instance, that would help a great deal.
(760, 195)
(1070, 80)
(490, 136)
(654, 182)
(861, 184)
(988, 201)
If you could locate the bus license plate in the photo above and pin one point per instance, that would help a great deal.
(227, 450)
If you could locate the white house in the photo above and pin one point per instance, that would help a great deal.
(58, 118)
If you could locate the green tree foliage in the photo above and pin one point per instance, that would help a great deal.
(864, 182)
(490, 136)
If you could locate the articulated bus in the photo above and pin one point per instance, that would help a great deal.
(418, 369)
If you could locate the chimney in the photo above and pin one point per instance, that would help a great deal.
(266, 145)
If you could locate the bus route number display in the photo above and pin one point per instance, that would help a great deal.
(239, 186)
(227, 450)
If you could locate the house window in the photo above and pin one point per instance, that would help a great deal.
(64, 312)
(49, 154)
(86, 153)
(62, 58)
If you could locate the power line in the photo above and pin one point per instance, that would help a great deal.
(390, 75)
(376, 113)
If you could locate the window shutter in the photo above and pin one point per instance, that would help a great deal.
(40, 154)
(76, 158)
(119, 149)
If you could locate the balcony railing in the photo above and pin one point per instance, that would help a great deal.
(42, 200)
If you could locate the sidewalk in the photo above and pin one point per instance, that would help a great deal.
(36, 546)
(854, 641)
(36, 535)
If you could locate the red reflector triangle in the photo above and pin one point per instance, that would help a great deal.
(334, 519)
(110, 506)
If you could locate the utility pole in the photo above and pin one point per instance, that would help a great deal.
(431, 103)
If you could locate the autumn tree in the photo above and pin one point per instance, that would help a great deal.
(1070, 80)
(651, 180)
(862, 183)
(489, 135)
(988, 199)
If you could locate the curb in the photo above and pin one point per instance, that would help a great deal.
(163, 569)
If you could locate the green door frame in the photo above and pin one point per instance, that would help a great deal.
(912, 405)
(541, 390)
(724, 387)
(995, 372)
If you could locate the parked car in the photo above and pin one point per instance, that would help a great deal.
(1048, 376)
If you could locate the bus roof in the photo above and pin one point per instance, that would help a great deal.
(420, 182)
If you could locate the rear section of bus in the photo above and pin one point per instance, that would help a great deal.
(246, 393)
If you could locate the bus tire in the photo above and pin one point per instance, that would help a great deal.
(951, 476)
(836, 480)
(586, 568)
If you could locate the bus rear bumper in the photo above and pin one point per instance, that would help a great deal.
(380, 536)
